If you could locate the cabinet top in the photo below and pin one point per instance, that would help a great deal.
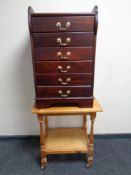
(93, 13)
(32, 14)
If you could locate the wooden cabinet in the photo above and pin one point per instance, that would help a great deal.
(63, 55)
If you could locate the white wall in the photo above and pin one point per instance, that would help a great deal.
(113, 65)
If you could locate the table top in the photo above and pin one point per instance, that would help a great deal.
(67, 110)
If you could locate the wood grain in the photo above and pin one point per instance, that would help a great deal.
(66, 140)
(50, 39)
(64, 102)
(75, 91)
(76, 53)
(77, 79)
(46, 67)
(47, 40)
(78, 23)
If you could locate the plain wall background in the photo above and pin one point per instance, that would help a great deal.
(112, 73)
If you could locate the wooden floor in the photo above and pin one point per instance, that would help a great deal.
(66, 140)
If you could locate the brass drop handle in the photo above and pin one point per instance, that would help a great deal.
(59, 25)
(68, 92)
(59, 54)
(64, 83)
(59, 40)
(60, 68)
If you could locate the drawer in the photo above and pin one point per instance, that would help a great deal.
(67, 79)
(63, 39)
(72, 101)
(61, 67)
(63, 91)
(67, 23)
(63, 53)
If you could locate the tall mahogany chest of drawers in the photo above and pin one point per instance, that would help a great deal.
(63, 55)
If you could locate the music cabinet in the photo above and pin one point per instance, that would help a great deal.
(63, 56)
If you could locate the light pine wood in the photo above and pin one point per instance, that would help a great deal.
(67, 110)
(46, 125)
(42, 142)
(66, 140)
(84, 121)
(91, 140)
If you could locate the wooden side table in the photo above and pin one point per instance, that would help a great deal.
(66, 140)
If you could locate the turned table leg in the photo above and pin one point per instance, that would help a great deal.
(42, 143)
(84, 122)
(85, 126)
(46, 126)
(91, 141)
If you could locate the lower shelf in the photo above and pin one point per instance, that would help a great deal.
(66, 140)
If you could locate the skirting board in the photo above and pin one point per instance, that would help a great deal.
(97, 136)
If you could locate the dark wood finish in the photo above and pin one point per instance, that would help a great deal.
(50, 39)
(80, 102)
(76, 53)
(93, 13)
(45, 47)
(48, 24)
(77, 79)
(75, 91)
(75, 67)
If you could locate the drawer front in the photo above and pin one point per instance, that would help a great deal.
(63, 91)
(63, 39)
(61, 53)
(64, 67)
(68, 79)
(69, 23)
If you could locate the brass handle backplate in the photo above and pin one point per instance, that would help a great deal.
(68, 92)
(64, 83)
(59, 40)
(59, 25)
(64, 57)
(60, 68)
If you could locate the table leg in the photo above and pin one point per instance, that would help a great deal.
(85, 126)
(46, 126)
(84, 121)
(91, 141)
(42, 143)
